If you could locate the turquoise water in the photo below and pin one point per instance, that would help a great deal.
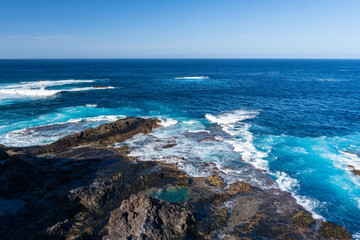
(172, 194)
(298, 120)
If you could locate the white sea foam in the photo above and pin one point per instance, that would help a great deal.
(232, 117)
(48, 83)
(346, 161)
(91, 105)
(40, 88)
(199, 131)
(242, 138)
(242, 141)
(101, 118)
(167, 122)
(189, 122)
(193, 78)
(45, 134)
(291, 185)
(349, 158)
(356, 236)
(40, 92)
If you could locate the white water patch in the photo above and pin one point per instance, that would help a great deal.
(103, 118)
(356, 236)
(91, 105)
(291, 185)
(193, 78)
(346, 161)
(195, 149)
(200, 131)
(167, 122)
(242, 140)
(45, 134)
(232, 117)
(39, 89)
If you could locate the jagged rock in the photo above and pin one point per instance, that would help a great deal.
(303, 219)
(108, 133)
(237, 188)
(330, 230)
(59, 230)
(215, 180)
(356, 172)
(170, 145)
(143, 217)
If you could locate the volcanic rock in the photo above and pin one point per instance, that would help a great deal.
(143, 217)
(108, 133)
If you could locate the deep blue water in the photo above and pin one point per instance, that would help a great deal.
(299, 120)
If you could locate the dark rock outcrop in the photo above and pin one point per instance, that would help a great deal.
(330, 230)
(143, 217)
(3, 153)
(107, 133)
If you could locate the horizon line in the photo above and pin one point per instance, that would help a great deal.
(185, 58)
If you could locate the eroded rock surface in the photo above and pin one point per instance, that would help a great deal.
(117, 131)
(143, 217)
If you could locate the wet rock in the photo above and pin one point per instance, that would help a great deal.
(172, 172)
(354, 171)
(108, 133)
(215, 180)
(59, 230)
(330, 230)
(170, 145)
(303, 219)
(3, 154)
(143, 217)
(238, 187)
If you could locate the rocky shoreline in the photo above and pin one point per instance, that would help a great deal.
(80, 188)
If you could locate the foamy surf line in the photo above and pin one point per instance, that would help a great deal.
(45, 92)
(39, 88)
(193, 78)
(241, 139)
(44, 134)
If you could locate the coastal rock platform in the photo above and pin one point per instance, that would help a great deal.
(81, 187)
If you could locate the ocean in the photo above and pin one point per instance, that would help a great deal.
(296, 120)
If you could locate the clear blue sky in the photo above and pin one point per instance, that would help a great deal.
(180, 28)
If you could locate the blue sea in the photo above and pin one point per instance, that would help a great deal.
(297, 120)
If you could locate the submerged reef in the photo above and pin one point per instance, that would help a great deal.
(81, 187)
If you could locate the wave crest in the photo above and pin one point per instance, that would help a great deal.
(193, 78)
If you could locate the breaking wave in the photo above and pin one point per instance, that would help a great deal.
(242, 140)
(193, 78)
(48, 133)
(38, 89)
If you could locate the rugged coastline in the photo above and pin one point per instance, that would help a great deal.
(80, 188)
